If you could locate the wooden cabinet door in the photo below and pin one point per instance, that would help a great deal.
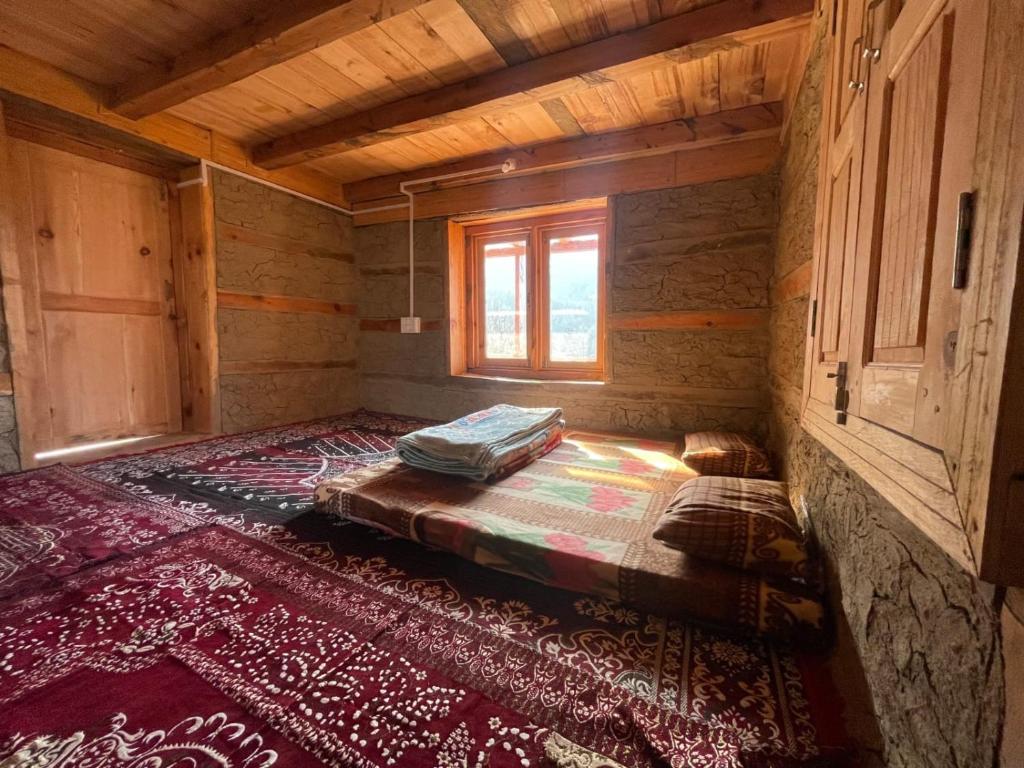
(833, 281)
(838, 209)
(922, 118)
(96, 267)
(847, 74)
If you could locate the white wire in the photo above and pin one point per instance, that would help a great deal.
(505, 167)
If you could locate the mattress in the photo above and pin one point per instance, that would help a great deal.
(581, 519)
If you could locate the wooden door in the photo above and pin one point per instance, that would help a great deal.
(95, 263)
(922, 123)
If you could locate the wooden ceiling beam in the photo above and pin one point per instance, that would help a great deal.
(690, 133)
(745, 157)
(696, 34)
(30, 78)
(281, 32)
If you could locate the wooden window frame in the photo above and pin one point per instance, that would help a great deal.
(537, 232)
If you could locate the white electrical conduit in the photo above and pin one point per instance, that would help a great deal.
(505, 167)
(203, 176)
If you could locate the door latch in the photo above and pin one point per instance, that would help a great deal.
(962, 245)
(842, 400)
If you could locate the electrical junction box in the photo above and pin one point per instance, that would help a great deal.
(410, 325)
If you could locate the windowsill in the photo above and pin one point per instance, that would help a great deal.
(516, 380)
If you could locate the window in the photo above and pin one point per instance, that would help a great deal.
(535, 297)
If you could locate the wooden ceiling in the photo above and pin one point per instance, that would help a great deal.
(323, 85)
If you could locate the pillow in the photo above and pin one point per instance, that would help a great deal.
(744, 523)
(725, 454)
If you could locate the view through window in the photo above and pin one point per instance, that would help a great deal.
(535, 297)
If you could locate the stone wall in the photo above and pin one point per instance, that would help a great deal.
(9, 459)
(919, 649)
(705, 247)
(283, 366)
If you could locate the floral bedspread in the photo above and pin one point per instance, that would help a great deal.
(581, 519)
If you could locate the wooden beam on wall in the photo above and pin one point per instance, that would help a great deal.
(281, 31)
(267, 303)
(696, 166)
(711, 320)
(42, 124)
(394, 325)
(691, 133)
(195, 274)
(235, 367)
(33, 79)
(696, 34)
(794, 284)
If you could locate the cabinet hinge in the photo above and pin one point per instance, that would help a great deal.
(962, 243)
(814, 317)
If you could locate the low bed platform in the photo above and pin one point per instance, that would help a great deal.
(580, 518)
(188, 604)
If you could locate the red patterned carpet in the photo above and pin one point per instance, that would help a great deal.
(147, 619)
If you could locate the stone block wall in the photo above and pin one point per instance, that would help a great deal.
(283, 366)
(9, 459)
(705, 247)
(919, 658)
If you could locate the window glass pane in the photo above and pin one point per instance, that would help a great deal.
(573, 277)
(505, 300)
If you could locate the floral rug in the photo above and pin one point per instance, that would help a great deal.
(260, 636)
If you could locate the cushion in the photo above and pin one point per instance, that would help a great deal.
(725, 454)
(740, 522)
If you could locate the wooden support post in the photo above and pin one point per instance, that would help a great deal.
(195, 272)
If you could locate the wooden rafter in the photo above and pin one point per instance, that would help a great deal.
(743, 157)
(691, 35)
(691, 133)
(284, 31)
(25, 76)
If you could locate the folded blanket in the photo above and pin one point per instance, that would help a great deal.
(484, 444)
(552, 438)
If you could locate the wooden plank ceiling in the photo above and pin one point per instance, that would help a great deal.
(398, 49)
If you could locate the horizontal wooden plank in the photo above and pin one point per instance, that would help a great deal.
(276, 33)
(394, 325)
(65, 143)
(240, 367)
(66, 302)
(253, 301)
(663, 138)
(861, 446)
(694, 34)
(794, 284)
(281, 243)
(42, 124)
(731, 319)
(694, 166)
(26, 76)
